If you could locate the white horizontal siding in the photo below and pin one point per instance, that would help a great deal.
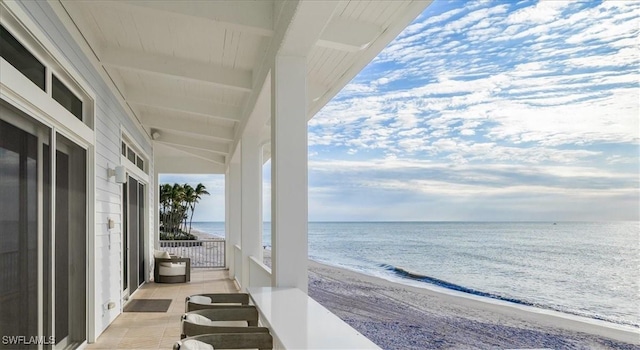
(109, 119)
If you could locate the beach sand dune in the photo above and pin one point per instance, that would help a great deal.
(396, 316)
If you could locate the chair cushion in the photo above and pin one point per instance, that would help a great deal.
(192, 344)
(172, 270)
(161, 254)
(200, 299)
(198, 319)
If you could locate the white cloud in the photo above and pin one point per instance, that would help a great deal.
(548, 87)
(542, 12)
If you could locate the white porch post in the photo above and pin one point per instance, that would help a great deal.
(232, 214)
(289, 172)
(156, 208)
(251, 164)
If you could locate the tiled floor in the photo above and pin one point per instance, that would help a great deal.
(155, 330)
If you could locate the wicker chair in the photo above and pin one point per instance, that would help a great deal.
(261, 341)
(171, 269)
(214, 300)
(233, 319)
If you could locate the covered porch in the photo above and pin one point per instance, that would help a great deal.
(171, 87)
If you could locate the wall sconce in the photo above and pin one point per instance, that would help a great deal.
(119, 172)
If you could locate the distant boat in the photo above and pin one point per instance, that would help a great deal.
(554, 223)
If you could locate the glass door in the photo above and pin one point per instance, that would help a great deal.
(43, 232)
(133, 258)
(19, 173)
(70, 243)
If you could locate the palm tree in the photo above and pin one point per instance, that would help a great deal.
(165, 198)
(198, 193)
(178, 203)
(188, 202)
(177, 211)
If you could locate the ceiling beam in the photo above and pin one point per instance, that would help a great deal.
(348, 34)
(177, 68)
(186, 165)
(306, 26)
(315, 90)
(200, 154)
(187, 126)
(184, 104)
(255, 17)
(193, 143)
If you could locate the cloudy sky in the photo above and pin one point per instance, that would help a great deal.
(487, 110)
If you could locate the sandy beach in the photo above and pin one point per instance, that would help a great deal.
(397, 316)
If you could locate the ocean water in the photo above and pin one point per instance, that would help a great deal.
(581, 268)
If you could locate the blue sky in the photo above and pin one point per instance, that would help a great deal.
(485, 110)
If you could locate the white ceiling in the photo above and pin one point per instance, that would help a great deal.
(191, 71)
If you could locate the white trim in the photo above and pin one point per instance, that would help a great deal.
(91, 169)
(36, 42)
(16, 15)
(52, 150)
(18, 90)
(40, 234)
(131, 143)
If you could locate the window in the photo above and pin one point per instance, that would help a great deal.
(132, 156)
(140, 163)
(20, 58)
(22, 51)
(66, 98)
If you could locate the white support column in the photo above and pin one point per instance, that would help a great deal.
(156, 207)
(251, 162)
(289, 172)
(227, 223)
(233, 216)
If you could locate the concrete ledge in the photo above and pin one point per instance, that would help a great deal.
(297, 321)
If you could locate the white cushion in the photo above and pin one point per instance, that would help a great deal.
(203, 321)
(198, 319)
(161, 254)
(173, 270)
(192, 344)
(200, 299)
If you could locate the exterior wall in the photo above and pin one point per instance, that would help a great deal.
(110, 119)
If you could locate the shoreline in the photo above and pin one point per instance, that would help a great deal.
(327, 282)
(396, 315)
(204, 235)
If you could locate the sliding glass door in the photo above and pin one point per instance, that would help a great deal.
(70, 243)
(43, 235)
(133, 259)
(19, 173)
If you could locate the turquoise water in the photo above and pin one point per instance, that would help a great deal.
(587, 269)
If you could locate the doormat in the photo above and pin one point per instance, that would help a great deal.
(148, 305)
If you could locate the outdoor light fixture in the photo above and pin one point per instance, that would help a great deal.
(119, 172)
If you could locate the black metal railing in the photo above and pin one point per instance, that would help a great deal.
(203, 253)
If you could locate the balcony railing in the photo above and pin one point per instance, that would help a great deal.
(203, 253)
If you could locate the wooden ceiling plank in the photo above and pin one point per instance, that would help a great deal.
(184, 104)
(348, 35)
(187, 126)
(193, 143)
(177, 68)
(253, 17)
